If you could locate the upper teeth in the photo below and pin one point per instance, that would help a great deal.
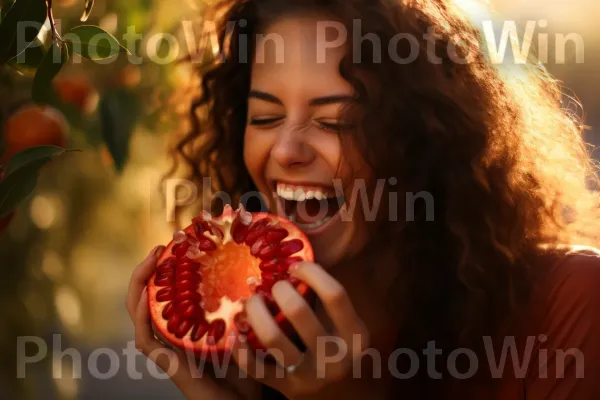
(301, 194)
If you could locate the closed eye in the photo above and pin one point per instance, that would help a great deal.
(333, 127)
(264, 121)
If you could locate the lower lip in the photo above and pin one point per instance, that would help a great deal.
(310, 231)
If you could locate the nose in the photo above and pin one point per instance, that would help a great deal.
(291, 149)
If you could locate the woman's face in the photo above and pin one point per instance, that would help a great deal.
(292, 150)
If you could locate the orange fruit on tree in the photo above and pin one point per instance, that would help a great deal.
(77, 91)
(34, 125)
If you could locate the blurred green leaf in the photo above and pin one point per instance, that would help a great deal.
(93, 42)
(30, 14)
(89, 4)
(53, 61)
(118, 112)
(5, 7)
(30, 59)
(21, 175)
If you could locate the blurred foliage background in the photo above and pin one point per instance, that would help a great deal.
(67, 255)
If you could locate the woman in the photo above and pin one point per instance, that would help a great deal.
(464, 184)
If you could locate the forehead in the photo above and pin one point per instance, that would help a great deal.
(300, 51)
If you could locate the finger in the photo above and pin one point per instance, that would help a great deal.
(269, 334)
(269, 374)
(298, 312)
(139, 277)
(333, 296)
(145, 341)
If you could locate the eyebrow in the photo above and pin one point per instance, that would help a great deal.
(318, 101)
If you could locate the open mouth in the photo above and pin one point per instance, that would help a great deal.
(311, 207)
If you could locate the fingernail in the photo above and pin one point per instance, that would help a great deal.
(145, 291)
(157, 251)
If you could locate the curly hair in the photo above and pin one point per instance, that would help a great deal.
(498, 145)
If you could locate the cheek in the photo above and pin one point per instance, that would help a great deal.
(256, 152)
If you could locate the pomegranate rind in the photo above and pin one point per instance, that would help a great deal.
(202, 348)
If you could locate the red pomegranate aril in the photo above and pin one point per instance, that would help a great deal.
(165, 294)
(215, 331)
(166, 265)
(256, 231)
(180, 249)
(241, 322)
(199, 330)
(290, 247)
(276, 235)
(188, 266)
(184, 328)
(264, 289)
(164, 280)
(187, 275)
(270, 278)
(200, 226)
(173, 324)
(269, 265)
(188, 309)
(187, 295)
(187, 284)
(168, 311)
(238, 230)
(205, 244)
(287, 262)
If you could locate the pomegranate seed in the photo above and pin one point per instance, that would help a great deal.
(188, 309)
(290, 247)
(199, 330)
(206, 244)
(168, 311)
(188, 266)
(269, 278)
(180, 237)
(244, 216)
(183, 328)
(268, 252)
(173, 324)
(180, 249)
(265, 290)
(241, 322)
(164, 280)
(215, 332)
(269, 265)
(256, 231)
(188, 275)
(186, 285)
(200, 227)
(166, 265)
(187, 295)
(238, 231)
(276, 235)
(165, 294)
(287, 262)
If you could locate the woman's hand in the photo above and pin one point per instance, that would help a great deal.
(176, 363)
(329, 356)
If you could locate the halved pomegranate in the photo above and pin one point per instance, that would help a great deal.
(203, 278)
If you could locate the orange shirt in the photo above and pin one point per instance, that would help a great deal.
(558, 344)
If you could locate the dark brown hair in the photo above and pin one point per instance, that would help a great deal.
(494, 144)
